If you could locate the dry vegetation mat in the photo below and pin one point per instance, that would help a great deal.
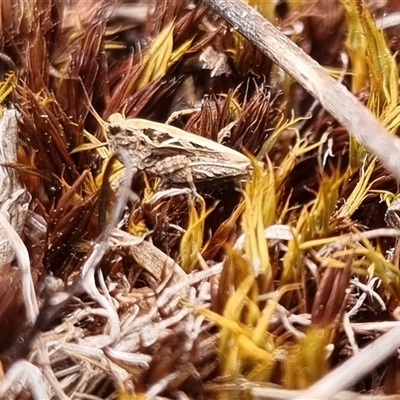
(199, 199)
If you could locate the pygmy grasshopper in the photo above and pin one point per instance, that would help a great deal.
(174, 155)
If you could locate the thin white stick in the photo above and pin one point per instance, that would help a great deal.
(356, 367)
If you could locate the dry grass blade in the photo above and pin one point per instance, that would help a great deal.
(149, 257)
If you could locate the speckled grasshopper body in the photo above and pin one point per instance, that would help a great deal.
(174, 155)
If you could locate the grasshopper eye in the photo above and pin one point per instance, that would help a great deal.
(114, 130)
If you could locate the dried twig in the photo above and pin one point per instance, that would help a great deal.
(334, 97)
(356, 367)
(13, 198)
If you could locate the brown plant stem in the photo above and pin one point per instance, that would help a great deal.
(333, 96)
